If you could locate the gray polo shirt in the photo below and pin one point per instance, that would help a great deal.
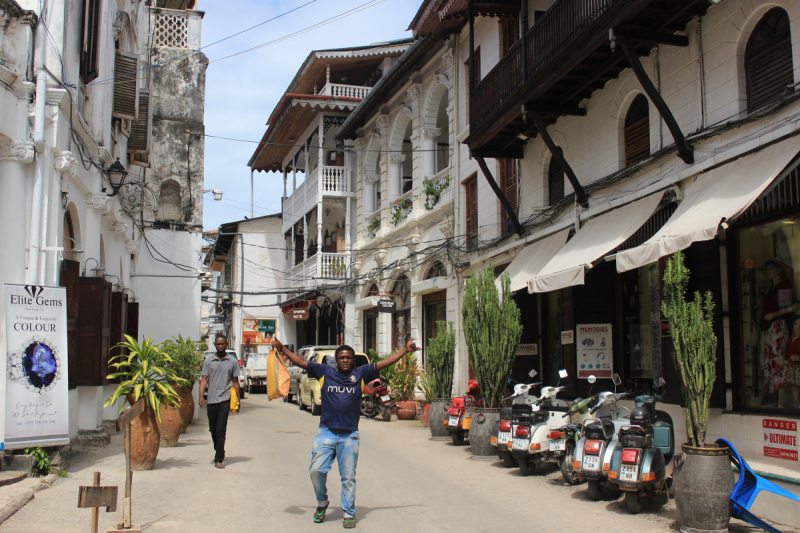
(221, 373)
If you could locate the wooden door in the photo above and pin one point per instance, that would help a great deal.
(132, 325)
(118, 325)
(70, 272)
(93, 332)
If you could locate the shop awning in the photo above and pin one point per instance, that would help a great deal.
(722, 193)
(599, 236)
(532, 258)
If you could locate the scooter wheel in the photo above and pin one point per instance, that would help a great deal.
(633, 502)
(595, 491)
(509, 461)
(567, 470)
(458, 438)
(527, 466)
(386, 413)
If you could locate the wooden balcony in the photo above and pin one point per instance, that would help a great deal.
(562, 59)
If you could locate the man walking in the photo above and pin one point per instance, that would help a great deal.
(337, 437)
(220, 373)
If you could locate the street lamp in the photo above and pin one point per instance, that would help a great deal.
(217, 194)
(116, 175)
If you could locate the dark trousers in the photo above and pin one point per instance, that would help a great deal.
(218, 425)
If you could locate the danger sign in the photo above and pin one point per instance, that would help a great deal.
(780, 439)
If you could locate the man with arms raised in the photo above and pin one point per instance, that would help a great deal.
(337, 437)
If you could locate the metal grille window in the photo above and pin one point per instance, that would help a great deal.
(555, 182)
(768, 60)
(471, 196)
(509, 181)
(637, 131)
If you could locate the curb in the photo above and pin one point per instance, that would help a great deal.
(22, 496)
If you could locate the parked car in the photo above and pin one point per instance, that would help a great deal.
(255, 371)
(309, 391)
(241, 369)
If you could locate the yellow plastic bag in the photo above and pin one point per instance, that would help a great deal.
(234, 401)
(277, 376)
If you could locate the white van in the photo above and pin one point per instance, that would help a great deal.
(255, 371)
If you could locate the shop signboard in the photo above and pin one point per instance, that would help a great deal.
(299, 314)
(36, 412)
(258, 331)
(387, 306)
(527, 349)
(595, 356)
(780, 439)
(568, 337)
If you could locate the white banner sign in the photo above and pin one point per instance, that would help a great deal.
(37, 403)
(595, 357)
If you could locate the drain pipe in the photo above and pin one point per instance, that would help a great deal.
(34, 274)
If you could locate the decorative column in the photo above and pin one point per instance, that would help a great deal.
(395, 175)
(305, 237)
(320, 150)
(347, 227)
(370, 181)
(292, 251)
(319, 238)
(294, 174)
(429, 136)
(15, 170)
(285, 178)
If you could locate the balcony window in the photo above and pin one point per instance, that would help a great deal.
(509, 33)
(443, 127)
(555, 181)
(509, 183)
(637, 131)
(768, 60)
(471, 210)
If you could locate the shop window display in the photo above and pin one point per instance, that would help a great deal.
(636, 328)
(770, 325)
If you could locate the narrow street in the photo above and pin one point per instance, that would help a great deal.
(406, 482)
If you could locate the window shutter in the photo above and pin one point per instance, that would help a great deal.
(770, 73)
(91, 36)
(555, 182)
(141, 128)
(511, 183)
(126, 87)
(637, 141)
(70, 272)
(93, 332)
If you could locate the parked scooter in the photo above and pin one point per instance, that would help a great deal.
(598, 440)
(376, 400)
(638, 463)
(458, 418)
(502, 431)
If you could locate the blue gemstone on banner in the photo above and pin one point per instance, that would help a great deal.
(40, 365)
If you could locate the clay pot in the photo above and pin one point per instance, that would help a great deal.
(703, 484)
(170, 425)
(438, 410)
(424, 413)
(186, 406)
(480, 432)
(145, 440)
(407, 410)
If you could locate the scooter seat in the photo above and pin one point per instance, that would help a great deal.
(602, 430)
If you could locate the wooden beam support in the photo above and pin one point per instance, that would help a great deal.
(558, 110)
(504, 153)
(685, 151)
(654, 37)
(500, 196)
(558, 155)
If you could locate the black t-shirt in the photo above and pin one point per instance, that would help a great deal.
(341, 394)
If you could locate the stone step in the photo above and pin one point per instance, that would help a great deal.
(93, 437)
(110, 426)
(9, 478)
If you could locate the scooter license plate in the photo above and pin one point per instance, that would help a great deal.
(385, 398)
(558, 445)
(629, 473)
(520, 444)
(591, 462)
(452, 421)
(503, 437)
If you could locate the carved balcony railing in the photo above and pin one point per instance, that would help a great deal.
(345, 91)
(334, 266)
(335, 179)
(562, 24)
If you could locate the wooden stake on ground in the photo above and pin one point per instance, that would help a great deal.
(95, 497)
(124, 422)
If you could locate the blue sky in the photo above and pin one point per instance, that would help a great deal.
(242, 91)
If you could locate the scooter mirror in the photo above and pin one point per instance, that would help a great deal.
(591, 379)
(532, 373)
(562, 373)
(616, 379)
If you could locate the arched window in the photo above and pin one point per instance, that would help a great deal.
(69, 233)
(768, 60)
(170, 200)
(437, 270)
(555, 181)
(637, 131)
(443, 140)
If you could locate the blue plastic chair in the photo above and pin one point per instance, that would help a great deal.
(747, 488)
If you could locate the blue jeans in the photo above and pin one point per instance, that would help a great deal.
(342, 445)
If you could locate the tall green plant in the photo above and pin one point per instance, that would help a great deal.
(492, 327)
(388, 372)
(441, 355)
(405, 379)
(146, 372)
(187, 358)
(692, 329)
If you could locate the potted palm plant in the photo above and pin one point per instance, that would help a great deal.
(425, 405)
(703, 476)
(441, 356)
(145, 372)
(187, 361)
(491, 324)
(403, 384)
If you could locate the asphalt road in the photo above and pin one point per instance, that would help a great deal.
(406, 482)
